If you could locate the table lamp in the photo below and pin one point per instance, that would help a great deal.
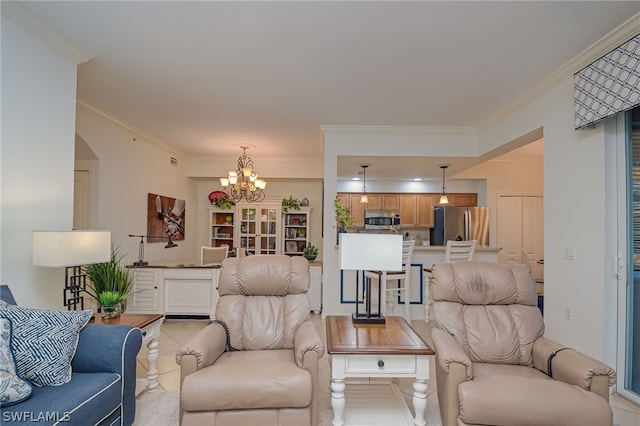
(376, 252)
(71, 250)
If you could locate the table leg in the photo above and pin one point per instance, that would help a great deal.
(337, 401)
(420, 401)
(152, 357)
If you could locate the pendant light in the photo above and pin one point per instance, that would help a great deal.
(443, 197)
(364, 199)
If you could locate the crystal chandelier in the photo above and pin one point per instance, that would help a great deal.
(244, 182)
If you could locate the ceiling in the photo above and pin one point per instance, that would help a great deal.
(207, 76)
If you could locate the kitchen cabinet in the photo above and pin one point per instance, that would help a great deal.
(424, 211)
(416, 210)
(459, 199)
(408, 211)
(221, 227)
(259, 228)
(390, 201)
(296, 231)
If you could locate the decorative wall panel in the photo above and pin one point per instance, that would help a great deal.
(609, 85)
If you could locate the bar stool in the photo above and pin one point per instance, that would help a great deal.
(455, 251)
(389, 295)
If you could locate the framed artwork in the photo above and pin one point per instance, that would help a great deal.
(165, 218)
(291, 246)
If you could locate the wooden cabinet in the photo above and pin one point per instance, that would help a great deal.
(190, 291)
(296, 231)
(390, 201)
(221, 227)
(357, 210)
(408, 211)
(424, 211)
(459, 200)
(416, 210)
(258, 228)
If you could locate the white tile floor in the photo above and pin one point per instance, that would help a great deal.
(177, 332)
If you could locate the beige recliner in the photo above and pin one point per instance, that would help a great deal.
(270, 377)
(493, 365)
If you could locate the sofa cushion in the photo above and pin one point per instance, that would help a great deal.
(491, 400)
(44, 342)
(12, 388)
(248, 380)
(87, 398)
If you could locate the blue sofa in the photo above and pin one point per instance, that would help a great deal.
(102, 387)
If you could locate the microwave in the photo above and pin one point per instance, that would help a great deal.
(381, 219)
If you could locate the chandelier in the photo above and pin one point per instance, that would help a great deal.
(244, 182)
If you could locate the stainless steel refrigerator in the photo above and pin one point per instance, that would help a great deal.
(460, 223)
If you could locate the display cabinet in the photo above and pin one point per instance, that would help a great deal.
(221, 227)
(296, 231)
(258, 228)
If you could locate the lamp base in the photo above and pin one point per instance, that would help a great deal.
(140, 263)
(368, 319)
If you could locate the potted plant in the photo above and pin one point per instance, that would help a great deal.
(221, 200)
(343, 215)
(310, 252)
(110, 283)
(290, 203)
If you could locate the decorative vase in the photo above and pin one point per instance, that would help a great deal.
(110, 311)
(310, 257)
(304, 202)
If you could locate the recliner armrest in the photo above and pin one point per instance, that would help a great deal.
(203, 348)
(305, 339)
(449, 351)
(573, 367)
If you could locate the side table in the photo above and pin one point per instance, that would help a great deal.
(387, 350)
(149, 325)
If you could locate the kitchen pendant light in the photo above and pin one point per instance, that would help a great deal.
(364, 199)
(443, 198)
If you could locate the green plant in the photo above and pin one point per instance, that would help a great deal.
(109, 298)
(110, 279)
(290, 203)
(310, 250)
(343, 215)
(225, 203)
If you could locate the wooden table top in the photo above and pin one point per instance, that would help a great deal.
(133, 320)
(394, 337)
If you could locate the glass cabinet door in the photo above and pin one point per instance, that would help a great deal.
(259, 227)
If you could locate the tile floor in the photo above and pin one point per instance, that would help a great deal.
(177, 332)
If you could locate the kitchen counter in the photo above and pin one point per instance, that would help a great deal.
(438, 249)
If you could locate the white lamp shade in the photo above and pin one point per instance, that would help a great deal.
(380, 252)
(444, 199)
(70, 248)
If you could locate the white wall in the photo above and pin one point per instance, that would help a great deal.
(38, 109)
(129, 167)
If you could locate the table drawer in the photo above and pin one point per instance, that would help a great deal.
(152, 331)
(388, 364)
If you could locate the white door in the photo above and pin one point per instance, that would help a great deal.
(509, 227)
(520, 231)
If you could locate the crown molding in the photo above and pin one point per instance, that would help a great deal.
(130, 127)
(398, 129)
(32, 24)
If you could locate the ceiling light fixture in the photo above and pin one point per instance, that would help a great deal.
(443, 197)
(244, 182)
(364, 199)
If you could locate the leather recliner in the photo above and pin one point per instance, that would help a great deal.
(266, 373)
(493, 364)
